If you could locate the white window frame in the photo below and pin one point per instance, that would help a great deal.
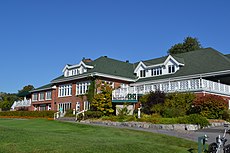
(86, 105)
(40, 98)
(78, 106)
(50, 98)
(82, 87)
(65, 90)
(33, 97)
(110, 83)
(171, 69)
(142, 73)
(156, 71)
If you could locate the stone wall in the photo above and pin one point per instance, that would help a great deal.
(188, 127)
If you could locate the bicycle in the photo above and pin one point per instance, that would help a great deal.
(217, 146)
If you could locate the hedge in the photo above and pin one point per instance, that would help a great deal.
(35, 114)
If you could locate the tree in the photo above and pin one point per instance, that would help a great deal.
(189, 44)
(26, 88)
(91, 91)
(103, 100)
(7, 100)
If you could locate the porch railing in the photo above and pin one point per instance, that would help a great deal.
(21, 103)
(172, 86)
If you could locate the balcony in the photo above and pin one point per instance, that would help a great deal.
(130, 94)
(21, 103)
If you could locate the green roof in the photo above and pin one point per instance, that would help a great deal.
(45, 87)
(197, 62)
(114, 67)
(227, 55)
(107, 66)
(155, 61)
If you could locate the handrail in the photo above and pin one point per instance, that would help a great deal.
(81, 112)
(56, 115)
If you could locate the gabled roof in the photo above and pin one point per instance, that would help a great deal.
(158, 62)
(68, 66)
(197, 62)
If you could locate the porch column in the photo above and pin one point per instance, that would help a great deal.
(144, 89)
(218, 85)
(201, 83)
(169, 88)
(189, 84)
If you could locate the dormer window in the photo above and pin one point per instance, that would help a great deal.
(171, 69)
(156, 71)
(70, 70)
(74, 72)
(142, 73)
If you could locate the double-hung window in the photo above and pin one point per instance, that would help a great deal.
(48, 95)
(41, 96)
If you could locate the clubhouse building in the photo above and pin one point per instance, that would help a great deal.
(204, 71)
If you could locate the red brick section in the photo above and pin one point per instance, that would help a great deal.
(73, 99)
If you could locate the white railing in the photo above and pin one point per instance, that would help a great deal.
(56, 115)
(172, 86)
(81, 112)
(21, 103)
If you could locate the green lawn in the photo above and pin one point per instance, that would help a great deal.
(39, 135)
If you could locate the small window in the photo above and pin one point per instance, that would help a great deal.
(171, 69)
(142, 73)
(35, 97)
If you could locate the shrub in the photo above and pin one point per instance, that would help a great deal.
(151, 99)
(178, 104)
(123, 111)
(173, 112)
(226, 115)
(42, 114)
(194, 119)
(210, 106)
(69, 113)
(93, 114)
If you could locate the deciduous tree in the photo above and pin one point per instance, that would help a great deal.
(103, 100)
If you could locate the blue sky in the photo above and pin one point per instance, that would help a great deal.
(38, 38)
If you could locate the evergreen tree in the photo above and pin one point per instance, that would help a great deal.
(189, 44)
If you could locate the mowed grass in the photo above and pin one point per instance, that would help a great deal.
(39, 136)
